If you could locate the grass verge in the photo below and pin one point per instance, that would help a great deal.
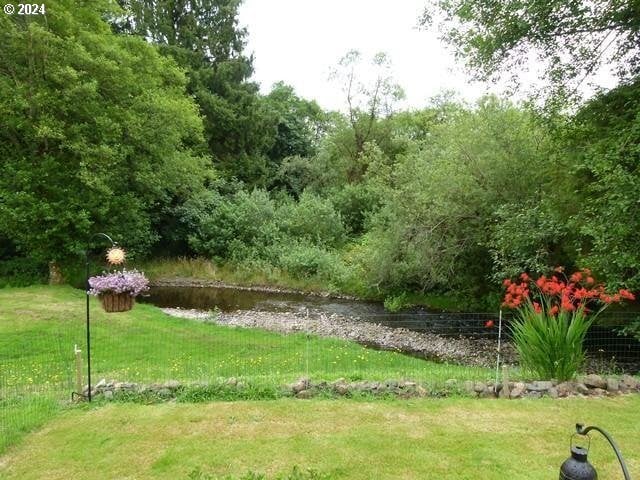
(448, 438)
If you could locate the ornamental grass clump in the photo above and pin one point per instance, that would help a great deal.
(553, 315)
(131, 282)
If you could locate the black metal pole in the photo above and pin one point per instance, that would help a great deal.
(87, 287)
(88, 328)
(582, 430)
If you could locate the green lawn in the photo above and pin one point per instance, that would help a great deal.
(419, 439)
(40, 325)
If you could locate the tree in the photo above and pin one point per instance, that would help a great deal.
(435, 230)
(572, 38)
(204, 38)
(367, 102)
(604, 143)
(300, 124)
(96, 134)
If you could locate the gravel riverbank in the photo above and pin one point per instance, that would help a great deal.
(459, 350)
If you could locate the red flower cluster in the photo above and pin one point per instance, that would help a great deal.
(561, 294)
(517, 292)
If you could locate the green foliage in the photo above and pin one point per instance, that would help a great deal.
(397, 302)
(295, 174)
(247, 134)
(571, 39)
(239, 227)
(300, 123)
(356, 203)
(434, 229)
(529, 237)
(304, 260)
(312, 219)
(550, 346)
(21, 272)
(368, 99)
(97, 133)
(299, 237)
(633, 328)
(606, 138)
(101, 131)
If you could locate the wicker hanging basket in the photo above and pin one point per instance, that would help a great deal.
(117, 302)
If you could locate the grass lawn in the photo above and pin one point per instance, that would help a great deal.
(428, 438)
(40, 325)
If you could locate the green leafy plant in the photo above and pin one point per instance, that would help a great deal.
(552, 319)
(550, 347)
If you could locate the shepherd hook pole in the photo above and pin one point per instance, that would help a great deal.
(86, 287)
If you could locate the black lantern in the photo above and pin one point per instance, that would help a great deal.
(577, 466)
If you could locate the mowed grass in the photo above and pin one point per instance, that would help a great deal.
(40, 325)
(420, 439)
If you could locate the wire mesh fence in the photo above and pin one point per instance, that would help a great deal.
(41, 366)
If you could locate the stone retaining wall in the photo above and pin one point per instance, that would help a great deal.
(590, 385)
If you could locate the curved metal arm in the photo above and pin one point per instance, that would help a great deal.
(107, 237)
(582, 430)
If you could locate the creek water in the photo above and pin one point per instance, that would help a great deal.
(228, 299)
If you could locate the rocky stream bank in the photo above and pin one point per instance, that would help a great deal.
(459, 350)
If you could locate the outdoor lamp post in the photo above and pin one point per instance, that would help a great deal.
(577, 466)
(114, 256)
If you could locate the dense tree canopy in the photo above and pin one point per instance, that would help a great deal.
(605, 139)
(96, 131)
(204, 38)
(143, 121)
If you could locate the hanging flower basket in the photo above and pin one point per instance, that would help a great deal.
(116, 302)
(117, 290)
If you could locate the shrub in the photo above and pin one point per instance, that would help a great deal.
(303, 260)
(550, 346)
(238, 227)
(395, 303)
(22, 271)
(313, 220)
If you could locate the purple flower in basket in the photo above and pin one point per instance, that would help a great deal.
(132, 282)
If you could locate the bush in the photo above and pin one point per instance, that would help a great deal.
(303, 260)
(21, 272)
(313, 220)
(550, 347)
(395, 303)
(234, 228)
(356, 203)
